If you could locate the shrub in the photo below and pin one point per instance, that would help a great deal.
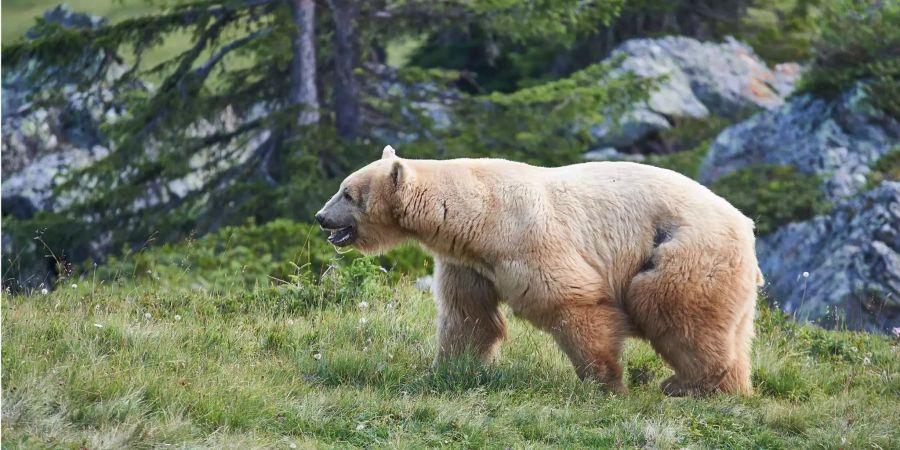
(887, 168)
(772, 195)
(42, 248)
(858, 40)
(689, 140)
(686, 163)
(275, 253)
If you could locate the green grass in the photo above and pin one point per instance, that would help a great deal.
(123, 364)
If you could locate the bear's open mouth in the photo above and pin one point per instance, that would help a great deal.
(342, 236)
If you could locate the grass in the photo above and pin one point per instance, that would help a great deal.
(125, 364)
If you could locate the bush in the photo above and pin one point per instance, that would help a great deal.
(38, 250)
(773, 195)
(887, 168)
(858, 40)
(275, 253)
(689, 141)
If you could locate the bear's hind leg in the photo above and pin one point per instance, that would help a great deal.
(591, 336)
(697, 314)
(469, 315)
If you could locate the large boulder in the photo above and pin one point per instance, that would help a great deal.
(840, 268)
(837, 139)
(696, 79)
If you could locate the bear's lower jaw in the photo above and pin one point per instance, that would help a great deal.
(342, 236)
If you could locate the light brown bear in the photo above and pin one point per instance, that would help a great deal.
(590, 253)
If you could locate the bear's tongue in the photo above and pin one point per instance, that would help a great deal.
(340, 236)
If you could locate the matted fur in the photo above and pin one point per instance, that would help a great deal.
(591, 253)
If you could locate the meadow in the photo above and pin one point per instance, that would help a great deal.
(165, 353)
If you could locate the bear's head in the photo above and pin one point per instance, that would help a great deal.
(362, 212)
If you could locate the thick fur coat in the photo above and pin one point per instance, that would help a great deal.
(590, 253)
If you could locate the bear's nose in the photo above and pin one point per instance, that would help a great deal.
(320, 218)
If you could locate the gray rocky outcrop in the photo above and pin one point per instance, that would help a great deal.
(851, 257)
(838, 139)
(51, 126)
(696, 79)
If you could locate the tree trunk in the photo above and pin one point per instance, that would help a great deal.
(303, 64)
(346, 99)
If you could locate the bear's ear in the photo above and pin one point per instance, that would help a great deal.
(388, 152)
(398, 173)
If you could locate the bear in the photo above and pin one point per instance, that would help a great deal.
(590, 253)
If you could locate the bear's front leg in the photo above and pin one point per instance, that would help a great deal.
(591, 335)
(469, 316)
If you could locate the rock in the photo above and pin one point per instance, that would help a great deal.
(852, 258)
(44, 138)
(838, 140)
(629, 128)
(700, 78)
(36, 182)
(611, 154)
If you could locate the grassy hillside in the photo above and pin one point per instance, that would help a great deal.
(344, 360)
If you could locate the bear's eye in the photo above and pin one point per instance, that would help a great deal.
(347, 196)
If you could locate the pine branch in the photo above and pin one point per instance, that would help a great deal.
(202, 72)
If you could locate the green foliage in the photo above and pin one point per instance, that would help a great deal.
(887, 168)
(772, 195)
(689, 142)
(496, 60)
(43, 247)
(275, 253)
(858, 40)
(685, 162)
(147, 364)
(780, 30)
(544, 125)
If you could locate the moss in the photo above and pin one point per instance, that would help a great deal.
(773, 195)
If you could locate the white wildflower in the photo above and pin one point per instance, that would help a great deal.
(363, 305)
(389, 305)
(177, 317)
(148, 316)
(805, 274)
(867, 361)
(317, 356)
(44, 291)
(360, 426)
(98, 325)
(896, 331)
(292, 445)
(363, 320)
(290, 322)
(74, 286)
(365, 349)
(382, 269)
(390, 356)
